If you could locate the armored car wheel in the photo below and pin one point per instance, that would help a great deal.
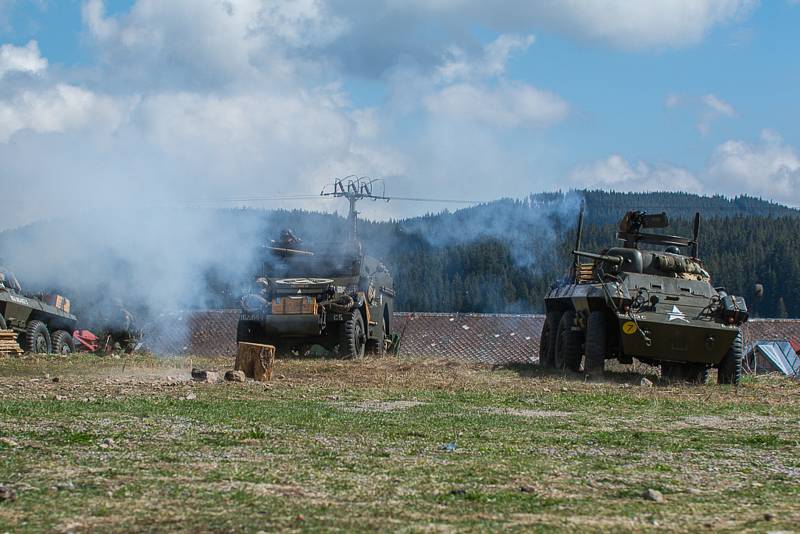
(730, 368)
(547, 340)
(568, 344)
(62, 342)
(352, 341)
(377, 346)
(37, 338)
(695, 373)
(248, 332)
(596, 343)
(3, 323)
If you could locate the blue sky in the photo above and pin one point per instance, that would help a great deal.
(192, 99)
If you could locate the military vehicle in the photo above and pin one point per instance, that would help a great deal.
(657, 306)
(43, 322)
(333, 296)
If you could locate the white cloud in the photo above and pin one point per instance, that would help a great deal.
(459, 65)
(21, 59)
(58, 109)
(210, 43)
(507, 105)
(473, 88)
(234, 98)
(768, 168)
(672, 101)
(718, 106)
(709, 109)
(620, 23)
(714, 108)
(616, 173)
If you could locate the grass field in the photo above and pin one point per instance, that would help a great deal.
(132, 444)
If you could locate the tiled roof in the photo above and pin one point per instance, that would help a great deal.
(485, 338)
(773, 330)
(488, 338)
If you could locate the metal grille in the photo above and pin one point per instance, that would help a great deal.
(490, 338)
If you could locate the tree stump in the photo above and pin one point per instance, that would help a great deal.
(255, 360)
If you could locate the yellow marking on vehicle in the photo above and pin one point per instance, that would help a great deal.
(629, 327)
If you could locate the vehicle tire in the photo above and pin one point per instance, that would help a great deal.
(670, 371)
(730, 368)
(568, 344)
(3, 325)
(596, 344)
(282, 348)
(37, 338)
(248, 332)
(62, 342)
(547, 339)
(352, 340)
(702, 375)
(694, 373)
(377, 346)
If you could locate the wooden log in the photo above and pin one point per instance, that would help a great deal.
(8, 343)
(256, 360)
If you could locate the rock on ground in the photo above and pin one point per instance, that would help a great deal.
(7, 494)
(203, 375)
(653, 495)
(235, 376)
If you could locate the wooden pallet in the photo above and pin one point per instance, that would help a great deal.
(8, 343)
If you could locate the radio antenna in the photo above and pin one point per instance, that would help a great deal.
(355, 188)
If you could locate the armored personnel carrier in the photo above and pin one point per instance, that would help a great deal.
(335, 297)
(43, 323)
(650, 299)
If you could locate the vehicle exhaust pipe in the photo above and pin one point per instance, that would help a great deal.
(578, 239)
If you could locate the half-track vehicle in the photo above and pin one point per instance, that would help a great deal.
(654, 303)
(334, 296)
(43, 322)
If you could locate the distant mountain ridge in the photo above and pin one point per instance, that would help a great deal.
(607, 207)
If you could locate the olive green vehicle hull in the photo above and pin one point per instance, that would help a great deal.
(658, 306)
(676, 329)
(704, 343)
(18, 310)
(328, 322)
(41, 328)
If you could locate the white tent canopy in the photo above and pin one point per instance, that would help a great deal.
(767, 356)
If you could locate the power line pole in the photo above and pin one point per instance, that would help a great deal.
(355, 188)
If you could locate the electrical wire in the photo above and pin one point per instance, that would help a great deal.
(311, 197)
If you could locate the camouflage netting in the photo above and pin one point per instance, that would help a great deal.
(476, 337)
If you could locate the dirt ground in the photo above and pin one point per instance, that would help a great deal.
(133, 444)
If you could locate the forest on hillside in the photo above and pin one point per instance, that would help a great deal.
(498, 257)
(482, 276)
(503, 256)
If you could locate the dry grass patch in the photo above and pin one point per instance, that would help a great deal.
(128, 445)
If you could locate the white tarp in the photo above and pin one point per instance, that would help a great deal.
(779, 353)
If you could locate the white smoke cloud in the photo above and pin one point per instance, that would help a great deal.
(59, 109)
